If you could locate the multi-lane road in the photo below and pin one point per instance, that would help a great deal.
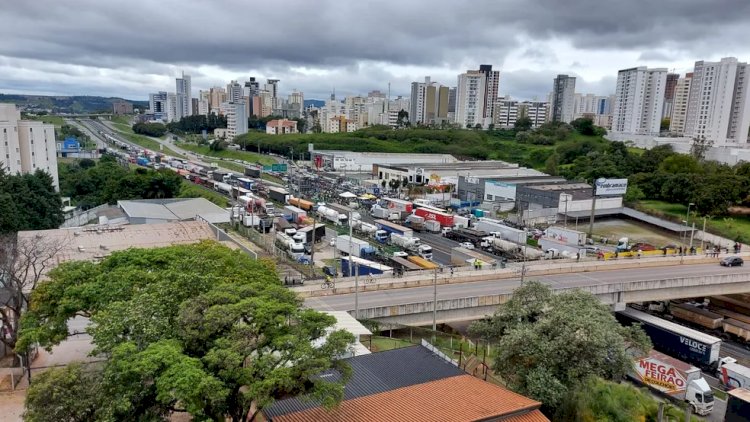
(345, 302)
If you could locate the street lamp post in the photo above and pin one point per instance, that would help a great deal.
(434, 302)
(687, 219)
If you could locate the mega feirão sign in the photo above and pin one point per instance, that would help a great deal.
(611, 186)
(663, 377)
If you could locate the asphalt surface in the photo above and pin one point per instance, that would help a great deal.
(481, 288)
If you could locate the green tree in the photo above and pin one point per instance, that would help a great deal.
(584, 126)
(699, 147)
(195, 328)
(679, 163)
(664, 126)
(71, 393)
(523, 124)
(28, 202)
(150, 129)
(547, 345)
(403, 118)
(478, 126)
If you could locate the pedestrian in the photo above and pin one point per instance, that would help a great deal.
(451, 271)
(639, 253)
(578, 256)
(679, 250)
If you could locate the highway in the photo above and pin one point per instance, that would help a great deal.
(345, 302)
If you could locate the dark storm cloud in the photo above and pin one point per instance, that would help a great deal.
(359, 42)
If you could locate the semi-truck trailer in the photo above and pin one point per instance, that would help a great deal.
(407, 243)
(343, 209)
(428, 213)
(398, 205)
(351, 266)
(738, 406)
(278, 194)
(300, 203)
(356, 247)
(415, 222)
(467, 235)
(676, 340)
(318, 232)
(393, 228)
(332, 215)
(432, 226)
(424, 263)
(507, 233)
(675, 379)
(565, 235)
(733, 375)
(384, 213)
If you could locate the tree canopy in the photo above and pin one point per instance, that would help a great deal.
(198, 123)
(546, 345)
(195, 328)
(28, 202)
(107, 181)
(150, 129)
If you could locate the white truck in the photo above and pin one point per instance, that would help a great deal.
(432, 226)
(384, 213)
(507, 233)
(296, 250)
(565, 236)
(332, 215)
(365, 228)
(425, 251)
(407, 243)
(678, 380)
(356, 247)
(733, 375)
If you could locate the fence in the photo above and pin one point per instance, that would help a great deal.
(83, 217)
(222, 236)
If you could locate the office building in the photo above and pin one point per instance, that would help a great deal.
(562, 99)
(27, 145)
(470, 99)
(639, 101)
(122, 107)
(719, 103)
(236, 118)
(157, 105)
(429, 102)
(184, 97)
(680, 104)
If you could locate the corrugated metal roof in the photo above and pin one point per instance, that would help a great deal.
(459, 398)
(174, 209)
(670, 326)
(377, 373)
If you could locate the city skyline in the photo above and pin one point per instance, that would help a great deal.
(129, 50)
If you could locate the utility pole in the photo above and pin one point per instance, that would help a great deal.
(593, 211)
(434, 302)
(312, 249)
(692, 232)
(703, 235)
(351, 264)
(566, 210)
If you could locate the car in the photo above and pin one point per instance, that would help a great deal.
(591, 248)
(731, 261)
(467, 245)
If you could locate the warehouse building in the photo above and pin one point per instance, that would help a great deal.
(151, 211)
(449, 173)
(350, 161)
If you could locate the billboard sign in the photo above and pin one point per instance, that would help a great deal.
(611, 186)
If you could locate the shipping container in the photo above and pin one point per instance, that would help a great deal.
(695, 315)
(738, 406)
(351, 266)
(684, 343)
(445, 219)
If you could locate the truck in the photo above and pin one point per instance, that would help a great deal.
(223, 188)
(398, 205)
(675, 379)
(406, 243)
(343, 209)
(565, 235)
(738, 406)
(278, 194)
(252, 172)
(415, 222)
(384, 213)
(318, 231)
(504, 232)
(425, 251)
(300, 203)
(219, 175)
(733, 375)
(296, 250)
(296, 214)
(352, 265)
(252, 204)
(422, 262)
(432, 226)
(245, 183)
(332, 215)
(356, 247)
(143, 161)
(461, 221)
(467, 235)
(500, 246)
(676, 340)
(462, 256)
(441, 216)
(393, 228)
(365, 228)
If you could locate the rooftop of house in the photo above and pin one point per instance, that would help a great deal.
(174, 209)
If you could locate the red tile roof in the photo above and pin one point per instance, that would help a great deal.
(460, 398)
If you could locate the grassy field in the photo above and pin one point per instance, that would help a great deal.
(191, 190)
(733, 226)
(251, 157)
(380, 344)
(229, 165)
(55, 120)
(147, 143)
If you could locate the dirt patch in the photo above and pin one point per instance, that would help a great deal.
(739, 210)
(635, 231)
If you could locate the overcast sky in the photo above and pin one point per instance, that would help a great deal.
(130, 48)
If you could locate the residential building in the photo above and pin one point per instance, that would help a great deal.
(339, 124)
(429, 102)
(639, 101)
(236, 119)
(234, 92)
(194, 106)
(157, 104)
(508, 111)
(216, 97)
(536, 111)
(355, 109)
(204, 103)
(272, 86)
(470, 98)
(585, 105)
(719, 103)
(173, 110)
(491, 83)
(281, 127)
(669, 90)
(562, 99)
(27, 145)
(680, 104)
(297, 100)
(414, 384)
(122, 107)
(376, 94)
(184, 96)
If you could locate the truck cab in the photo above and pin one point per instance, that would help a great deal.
(700, 396)
(382, 236)
(425, 251)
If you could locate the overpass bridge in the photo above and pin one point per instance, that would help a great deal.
(465, 299)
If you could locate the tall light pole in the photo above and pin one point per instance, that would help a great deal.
(687, 218)
(703, 235)
(434, 302)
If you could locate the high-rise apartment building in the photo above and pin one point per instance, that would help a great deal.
(297, 101)
(429, 102)
(122, 107)
(669, 90)
(272, 86)
(173, 110)
(234, 92)
(236, 118)
(508, 111)
(27, 145)
(680, 104)
(184, 96)
(470, 99)
(562, 99)
(157, 105)
(639, 101)
(719, 102)
(216, 97)
(491, 84)
(204, 103)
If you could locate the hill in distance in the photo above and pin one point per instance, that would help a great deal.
(63, 104)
